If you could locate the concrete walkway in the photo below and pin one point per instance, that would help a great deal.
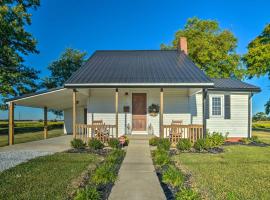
(137, 178)
(11, 156)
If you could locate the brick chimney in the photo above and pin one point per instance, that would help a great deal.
(183, 45)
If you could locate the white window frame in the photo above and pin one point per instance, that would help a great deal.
(222, 105)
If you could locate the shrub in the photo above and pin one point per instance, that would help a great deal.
(187, 194)
(173, 177)
(114, 143)
(164, 143)
(104, 174)
(77, 143)
(216, 140)
(115, 156)
(255, 139)
(88, 193)
(200, 144)
(245, 140)
(95, 144)
(154, 141)
(161, 157)
(126, 140)
(184, 145)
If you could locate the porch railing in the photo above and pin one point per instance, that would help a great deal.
(102, 132)
(193, 132)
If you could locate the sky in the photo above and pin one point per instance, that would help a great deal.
(90, 25)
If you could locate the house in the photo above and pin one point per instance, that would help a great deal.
(117, 88)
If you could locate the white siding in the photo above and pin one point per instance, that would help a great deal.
(68, 119)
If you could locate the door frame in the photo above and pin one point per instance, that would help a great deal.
(146, 113)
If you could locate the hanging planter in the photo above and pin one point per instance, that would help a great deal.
(153, 110)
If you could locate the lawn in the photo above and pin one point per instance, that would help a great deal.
(26, 131)
(47, 177)
(264, 136)
(241, 172)
(261, 125)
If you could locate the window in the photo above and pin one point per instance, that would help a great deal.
(216, 106)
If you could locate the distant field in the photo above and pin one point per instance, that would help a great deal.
(26, 131)
(261, 125)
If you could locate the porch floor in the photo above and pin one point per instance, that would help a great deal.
(137, 177)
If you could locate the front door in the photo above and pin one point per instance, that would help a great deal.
(138, 111)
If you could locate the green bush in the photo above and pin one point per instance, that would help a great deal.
(88, 193)
(115, 156)
(164, 143)
(187, 194)
(77, 143)
(200, 145)
(104, 174)
(161, 157)
(95, 144)
(173, 177)
(216, 140)
(154, 141)
(184, 145)
(245, 140)
(114, 143)
(255, 139)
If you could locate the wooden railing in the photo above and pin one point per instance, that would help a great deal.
(192, 132)
(102, 132)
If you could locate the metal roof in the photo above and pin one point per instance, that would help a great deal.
(233, 85)
(139, 68)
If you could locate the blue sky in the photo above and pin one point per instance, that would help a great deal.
(122, 24)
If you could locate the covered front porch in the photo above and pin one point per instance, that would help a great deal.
(106, 113)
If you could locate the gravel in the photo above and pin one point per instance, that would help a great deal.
(10, 159)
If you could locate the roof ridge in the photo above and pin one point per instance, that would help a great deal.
(121, 50)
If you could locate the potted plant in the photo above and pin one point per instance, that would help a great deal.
(153, 109)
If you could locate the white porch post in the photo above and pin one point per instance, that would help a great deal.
(204, 94)
(161, 132)
(74, 102)
(116, 111)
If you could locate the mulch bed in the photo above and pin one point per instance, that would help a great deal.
(261, 144)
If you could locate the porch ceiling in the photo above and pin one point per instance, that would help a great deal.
(56, 99)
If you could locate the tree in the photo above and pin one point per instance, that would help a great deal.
(257, 58)
(260, 116)
(210, 48)
(61, 70)
(15, 43)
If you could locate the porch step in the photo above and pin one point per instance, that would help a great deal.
(140, 137)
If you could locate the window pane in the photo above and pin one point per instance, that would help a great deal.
(216, 106)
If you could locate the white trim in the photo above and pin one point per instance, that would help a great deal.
(211, 96)
(140, 84)
(35, 95)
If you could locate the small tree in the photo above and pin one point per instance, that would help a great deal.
(260, 116)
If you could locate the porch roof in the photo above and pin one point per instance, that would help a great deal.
(139, 68)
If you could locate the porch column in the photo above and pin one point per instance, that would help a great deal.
(250, 115)
(11, 124)
(161, 132)
(204, 95)
(116, 111)
(45, 122)
(74, 103)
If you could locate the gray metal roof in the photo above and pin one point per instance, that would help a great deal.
(233, 85)
(133, 67)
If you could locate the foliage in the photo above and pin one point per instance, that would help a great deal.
(184, 145)
(15, 43)
(260, 116)
(104, 174)
(245, 140)
(161, 157)
(154, 141)
(77, 143)
(153, 108)
(89, 193)
(210, 48)
(95, 144)
(173, 176)
(215, 139)
(164, 143)
(200, 145)
(267, 107)
(187, 194)
(255, 139)
(257, 58)
(114, 143)
(115, 156)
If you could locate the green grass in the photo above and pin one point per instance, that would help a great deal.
(32, 136)
(241, 172)
(45, 177)
(264, 136)
(261, 125)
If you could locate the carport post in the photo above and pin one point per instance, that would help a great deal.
(11, 124)
(45, 122)
(74, 113)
